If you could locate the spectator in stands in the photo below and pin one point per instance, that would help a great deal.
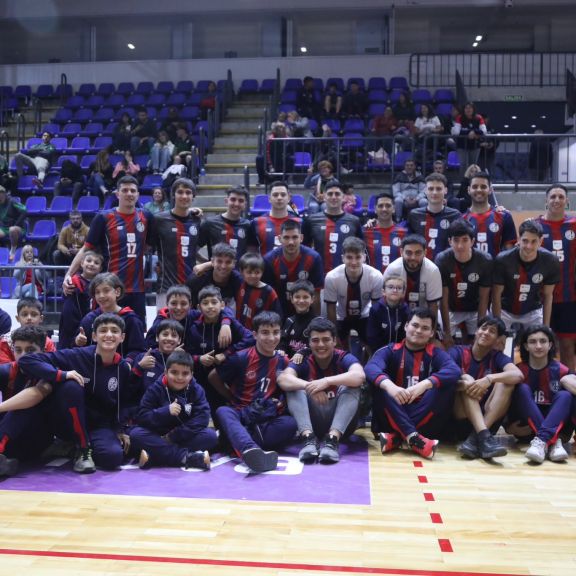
(470, 128)
(37, 158)
(126, 166)
(427, 124)
(318, 183)
(29, 281)
(409, 190)
(12, 216)
(183, 143)
(175, 171)
(6, 179)
(70, 240)
(488, 145)
(281, 119)
(209, 101)
(161, 153)
(299, 125)
(171, 123)
(143, 133)
(123, 134)
(540, 157)
(101, 171)
(384, 126)
(332, 102)
(306, 103)
(71, 180)
(355, 103)
(404, 112)
(279, 153)
(159, 203)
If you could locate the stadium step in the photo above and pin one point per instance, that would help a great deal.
(225, 159)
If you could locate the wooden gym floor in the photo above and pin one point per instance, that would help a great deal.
(446, 516)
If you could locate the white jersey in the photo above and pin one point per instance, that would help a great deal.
(352, 300)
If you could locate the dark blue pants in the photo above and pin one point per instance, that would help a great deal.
(164, 454)
(545, 421)
(269, 435)
(428, 415)
(136, 301)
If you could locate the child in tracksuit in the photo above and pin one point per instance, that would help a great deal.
(106, 289)
(173, 419)
(294, 338)
(77, 304)
(95, 380)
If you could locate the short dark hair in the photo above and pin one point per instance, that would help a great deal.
(183, 183)
(422, 312)
(526, 333)
(240, 190)
(33, 334)
(180, 357)
(387, 195)
(305, 285)
(483, 175)
(108, 318)
(556, 185)
(126, 180)
(436, 177)
(210, 291)
(172, 325)
(490, 320)
(29, 302)
(279, 184)
(251, 260)
(74, 212)
(179, 290)
(106, 278)
(223, 249)
(532, 227)
(333, 183)
(460, 228)
(266, 318)
(413, 239)
(353, 244)
(320, 324)
(290, 225)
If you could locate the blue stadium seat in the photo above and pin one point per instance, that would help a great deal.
(105, 89)
(145, 88)
(62, 116)
(288, 97)
(92, 129)
(444, 95)
(293, 84)
(377, 83)
(334, 124)
(71, 129)
(75, 102)
(60, 144)
(26, 184)
(63, 91)
(156, 100)
(84, 115)
(452, 161)
(190, 113)
(4, 254)
(44, 92)
(136, 100)
(150, 182)
(299, 202)
(202, 86)
(103, 115)
(23, 92)
(302, 161)
(268, 86)
(185, 87)
(248, 86)
(165, 87)
(88, 205)
(43, 230)
(358, 210)
(377, 96)
(394, 95)
(261, 205)
(54, 129)
(354, 125)
(400, 159)
(61, 159)
(115, 101)
(101, 142)
(86, 160)
(110, 129)
(49, 183)
(60, 206)
(121, 111)
(86, 90)
(35, 205)
(176, 99)
(398, 83)
(339, 83)
(79, 145)
(444, 109)
(125, 88)
(376, 109)
(95, 101)
(318, 85)
(7, 286)
(422, 96)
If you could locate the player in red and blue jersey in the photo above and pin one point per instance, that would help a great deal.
(323, 393)
(265, 230)
(326, 231)
(416, 383)
(546, 396)
(495, 229)
(524, 280)
(484, 388)
(291, 262)
(382, 236)
(255, 421)
(121, 236)
(560, 239)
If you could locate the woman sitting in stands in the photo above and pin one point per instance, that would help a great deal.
(29, 282)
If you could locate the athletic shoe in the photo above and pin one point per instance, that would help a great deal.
(491, 448)
(309, 451)
(329, 450)
(537, 450)
(84, 463)
(8, 466)
(389, 441)
(260, 461)
(144, 460)
(423, 446)
(556, 452)
(470, 448)
(199, 459)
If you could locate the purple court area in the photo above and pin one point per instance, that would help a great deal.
(347, 482)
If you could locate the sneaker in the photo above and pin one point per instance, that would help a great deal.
(84, 463)
(199, 459)
(556, 452)
(329, 450)
(260, 461)
(309, 451)
(537, 450)
(389, 441)
(491, 448)
(470, 448)
(144, 460)
(422, 445)
(8, 466)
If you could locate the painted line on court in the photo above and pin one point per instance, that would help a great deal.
(247, 564)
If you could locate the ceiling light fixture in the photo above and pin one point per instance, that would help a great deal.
(303, 49)
(131, 46)
(479, 38)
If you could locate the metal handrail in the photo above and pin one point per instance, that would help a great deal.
(20, 131)
(63, 82)
(5, 145)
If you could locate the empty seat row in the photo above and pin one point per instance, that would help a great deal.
(95, 101)
(61, 205)
(105, 115)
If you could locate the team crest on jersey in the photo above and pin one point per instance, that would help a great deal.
(569, 235)
(555, 386)
(345, 228)
(112, 384)
(473, 277)
(396, 241)
(241, 233)
(537, 278)
(494, 227)
(193, 231)
(188, 409)
(303, 275)
(259, 303)
(140, 226)
(251, 375)
(444, 224)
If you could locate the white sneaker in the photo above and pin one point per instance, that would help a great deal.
(556, 453)
(537, 450)
(84, 463)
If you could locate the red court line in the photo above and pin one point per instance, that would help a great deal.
(429, 497)
(436, 518)
(422, 479)
(418, 464)
(445, 545)
(248, 564)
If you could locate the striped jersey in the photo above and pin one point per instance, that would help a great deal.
(250, 301)
(265, 232)
(221, 229)
(544, 383)
(383, 244)
(433, 227)
(495, 230)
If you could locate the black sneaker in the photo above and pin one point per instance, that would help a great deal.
(8, 466)
(260, 461)
(491, 448)
(470, 448)
(329, 450)
(309, 451)
(199, 459)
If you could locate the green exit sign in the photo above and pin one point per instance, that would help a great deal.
(513, 98)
